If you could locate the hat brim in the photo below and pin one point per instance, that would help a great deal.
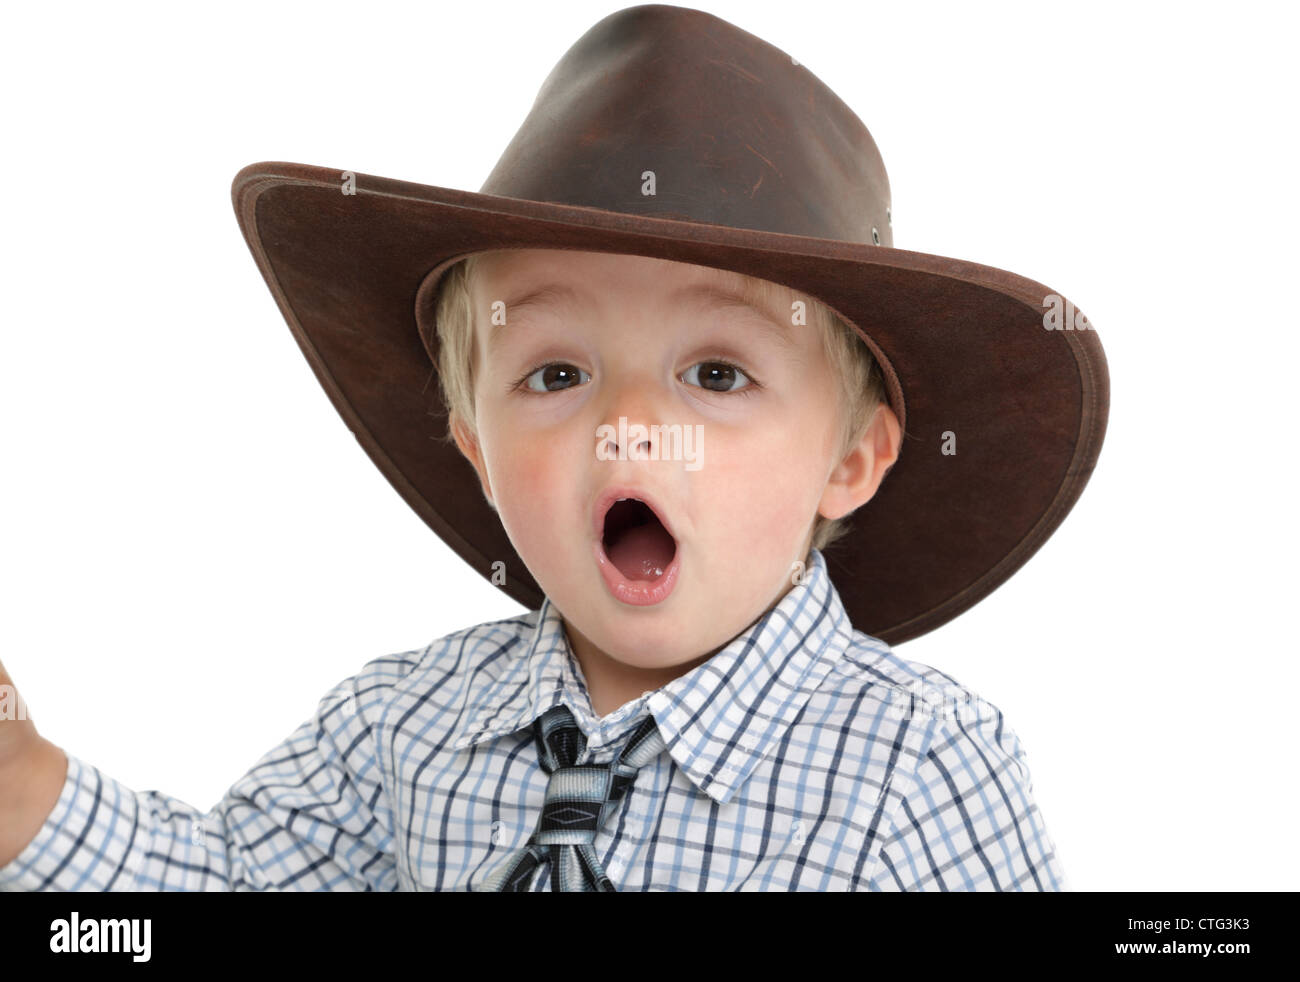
(964, 347)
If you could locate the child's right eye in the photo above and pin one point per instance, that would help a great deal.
(551, 372)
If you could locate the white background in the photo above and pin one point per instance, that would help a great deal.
(195, 548)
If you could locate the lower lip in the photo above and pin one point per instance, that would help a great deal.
(640, 593)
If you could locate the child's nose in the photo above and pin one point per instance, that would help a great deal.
(633, 402)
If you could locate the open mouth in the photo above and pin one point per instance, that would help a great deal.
(636, 542)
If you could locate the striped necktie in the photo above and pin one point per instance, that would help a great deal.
(579, 798)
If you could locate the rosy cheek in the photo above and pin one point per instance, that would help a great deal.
(776, 496)
(528, 486)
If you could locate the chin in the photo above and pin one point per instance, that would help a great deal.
(644, 653)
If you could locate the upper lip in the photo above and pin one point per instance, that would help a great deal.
(611, 495)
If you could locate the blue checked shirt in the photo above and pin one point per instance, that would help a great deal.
(804, 755)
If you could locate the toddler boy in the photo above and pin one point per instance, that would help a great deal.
(673, 449)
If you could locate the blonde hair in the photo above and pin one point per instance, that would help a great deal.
(861, 385)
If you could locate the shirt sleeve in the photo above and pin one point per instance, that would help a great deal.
(312, 814)
(968, 820)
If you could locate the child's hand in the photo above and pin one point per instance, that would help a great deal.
(32, 772)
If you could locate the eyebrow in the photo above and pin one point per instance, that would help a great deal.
(549, 293)
(744, 295)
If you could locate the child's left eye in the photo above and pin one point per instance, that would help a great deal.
(719, 376)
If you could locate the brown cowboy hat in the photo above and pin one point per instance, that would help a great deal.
(761, 170)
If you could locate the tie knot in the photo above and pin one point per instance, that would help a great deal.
(560, 741)
(574, 806)
(579, 797)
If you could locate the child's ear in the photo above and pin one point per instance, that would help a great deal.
(857, 477)
(468, 445)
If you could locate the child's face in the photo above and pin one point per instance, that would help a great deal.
(741, 498)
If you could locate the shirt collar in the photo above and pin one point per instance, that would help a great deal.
(719, 720)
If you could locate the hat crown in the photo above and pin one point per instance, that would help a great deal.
(671, 112)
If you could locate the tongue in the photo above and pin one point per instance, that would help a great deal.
(644, 552)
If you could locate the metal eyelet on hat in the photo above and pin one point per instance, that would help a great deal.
(875, 235)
